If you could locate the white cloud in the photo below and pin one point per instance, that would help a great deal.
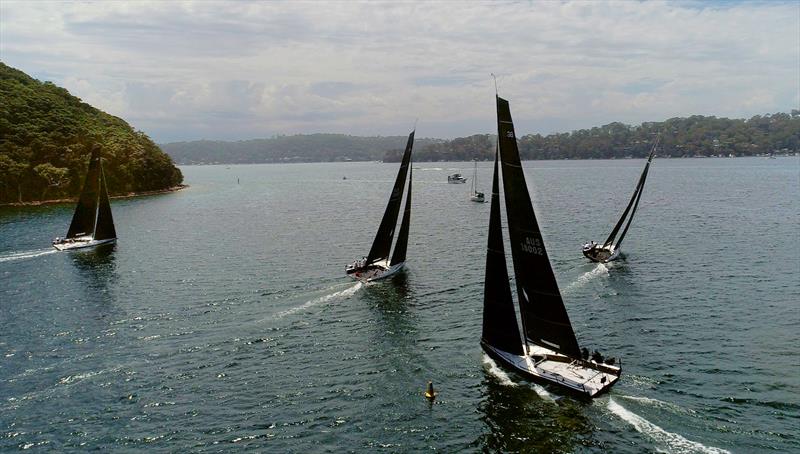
(185, 70)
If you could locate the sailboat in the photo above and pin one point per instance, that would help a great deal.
(377, 264)
(546, 350)
(610, 250)
(92, 223)
(475, 195)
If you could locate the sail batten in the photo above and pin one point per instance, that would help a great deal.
(382, 243)
(544, 318)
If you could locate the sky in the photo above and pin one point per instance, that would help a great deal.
(240, 70)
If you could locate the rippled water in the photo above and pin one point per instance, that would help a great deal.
(222, 319)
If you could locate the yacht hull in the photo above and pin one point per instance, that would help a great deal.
(584, 379)
(82, 243)
(600, 254)
(375, 272)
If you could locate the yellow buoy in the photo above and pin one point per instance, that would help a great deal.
(430, 394)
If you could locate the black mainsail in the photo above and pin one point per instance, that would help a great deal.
(499, 319)
(383, 239)
(400, 247)
(104, 229)
(544, 318)
(633, 203)
(86, 212)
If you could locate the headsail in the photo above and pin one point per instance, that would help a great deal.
(545, 319)
(632, 203)
(104, 229)
(499, 320)
(383, 239)
(85, 213)
(399, 253)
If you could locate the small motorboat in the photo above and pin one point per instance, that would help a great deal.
(456, 178)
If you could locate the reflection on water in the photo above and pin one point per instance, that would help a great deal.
(96, 268)
(520, 420)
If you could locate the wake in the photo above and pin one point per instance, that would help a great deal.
(26, 255)
(349, 291)
(505, 380)
(585, 278)
(675, 443)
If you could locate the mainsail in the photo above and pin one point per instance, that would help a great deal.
(104, 229)
(499, 320)
(383, 239)
(544, 318)
(86, 212)
(633, 203)
(400, 247)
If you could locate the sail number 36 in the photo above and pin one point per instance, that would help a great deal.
(533, 246)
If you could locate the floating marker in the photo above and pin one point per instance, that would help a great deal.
(430, 394)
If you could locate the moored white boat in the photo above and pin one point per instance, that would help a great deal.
(456, 178)
(475, 195)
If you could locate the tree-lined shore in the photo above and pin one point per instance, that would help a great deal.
(46, 136)
(680, 137)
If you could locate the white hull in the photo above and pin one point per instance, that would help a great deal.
(377, 271)
(456, 181)
(479, 199)
(606, 254)
(81, 243)
(586, 378)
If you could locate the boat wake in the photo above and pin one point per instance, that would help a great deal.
(349, 291)
(673, 442)
(585, 278)
(505, 380)
(26, 255)
(659, 404)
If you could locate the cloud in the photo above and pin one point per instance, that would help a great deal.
(235, 70)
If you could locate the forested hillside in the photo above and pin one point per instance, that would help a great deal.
(46, 135)
(680, 137)
(297, 148)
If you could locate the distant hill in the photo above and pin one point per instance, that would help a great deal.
(693, 136)
(46, 135)
(680, 137)
(297, 148)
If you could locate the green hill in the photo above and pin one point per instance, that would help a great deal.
(46, 135)
(295, 148)
(680, 137)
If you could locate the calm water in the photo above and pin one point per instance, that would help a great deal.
(222, 320)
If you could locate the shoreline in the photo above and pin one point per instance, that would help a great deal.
(129, 195)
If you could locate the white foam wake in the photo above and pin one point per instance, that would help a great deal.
(585, 278)
(26, 255)
(658, 404)
(673, 442)
(505, 380)
(349, 291)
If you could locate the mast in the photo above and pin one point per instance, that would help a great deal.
(85, 212)
(383, 239)
(639, 194)
(104, 229)
(474, 179)
(399, 254)
(634, 199)
(545, 320)
(499, 320)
